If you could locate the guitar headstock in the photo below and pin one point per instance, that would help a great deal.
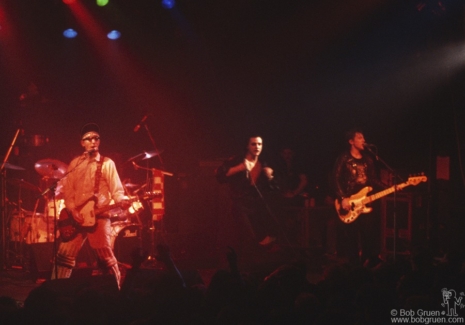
(152, 195)
(415, 180)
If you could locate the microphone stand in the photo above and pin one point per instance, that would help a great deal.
(273, 217)
(394, 181)
(153, 142)
(154, 172)
(3, 198)
(52, 189)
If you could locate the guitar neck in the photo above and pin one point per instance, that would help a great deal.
(110, 207)
(107, 208)
(383, 193)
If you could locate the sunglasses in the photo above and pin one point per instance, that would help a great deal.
(91, 138)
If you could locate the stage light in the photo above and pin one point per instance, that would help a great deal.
(70, 33)
(114, 34)
(168, 4)
(102, 3)
(68, 2)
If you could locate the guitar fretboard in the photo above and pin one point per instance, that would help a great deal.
(379, 195)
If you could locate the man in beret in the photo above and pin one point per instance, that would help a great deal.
(92, 182)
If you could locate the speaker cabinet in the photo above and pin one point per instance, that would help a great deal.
(396, 217)
(69, 288)
(41, 256)
(41, 260)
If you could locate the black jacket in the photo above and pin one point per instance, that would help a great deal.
(350, 175)
(239, 183)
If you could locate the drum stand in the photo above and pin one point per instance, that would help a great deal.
(51, 189)
(157, 205)
(18, 247)
(4, 200)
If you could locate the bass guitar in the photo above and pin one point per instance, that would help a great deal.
(359, 200)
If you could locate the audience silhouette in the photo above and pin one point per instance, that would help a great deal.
(344, 295)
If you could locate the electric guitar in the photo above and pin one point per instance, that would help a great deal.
(69, 227)
(359, 200)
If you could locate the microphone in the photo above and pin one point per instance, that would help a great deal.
(368, 145)
(141, 122)
(89, 152)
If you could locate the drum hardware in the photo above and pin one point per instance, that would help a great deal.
(22, 228)
(155, 195)
(3, 200)
(26, 227)
(156, 174)
(53, 208)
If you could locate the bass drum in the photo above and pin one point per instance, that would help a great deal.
(124, 238)
(31, 229)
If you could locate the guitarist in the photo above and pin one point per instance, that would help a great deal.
(354, 170)
(92, 180)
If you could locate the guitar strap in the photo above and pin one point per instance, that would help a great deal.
(98, 175)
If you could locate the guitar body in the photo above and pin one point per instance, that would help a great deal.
(69, 227)
(357, 206)
(87, 213)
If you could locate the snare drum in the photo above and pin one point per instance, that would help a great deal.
(124, 238)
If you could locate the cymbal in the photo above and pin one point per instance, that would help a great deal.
(23, 184)
(145, 155)
(51, 168)
(14, 167)
(150, 154)
(131, 185)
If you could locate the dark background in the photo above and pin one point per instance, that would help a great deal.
(209, 72)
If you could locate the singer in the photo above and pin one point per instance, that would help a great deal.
(249, 178)
(92, 179)
(353, 170)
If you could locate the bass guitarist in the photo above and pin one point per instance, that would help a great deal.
(353, 171)
(92, 182)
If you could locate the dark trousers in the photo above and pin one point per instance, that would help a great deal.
(254, 217)
(361, 238)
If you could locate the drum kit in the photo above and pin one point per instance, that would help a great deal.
(31, 227)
